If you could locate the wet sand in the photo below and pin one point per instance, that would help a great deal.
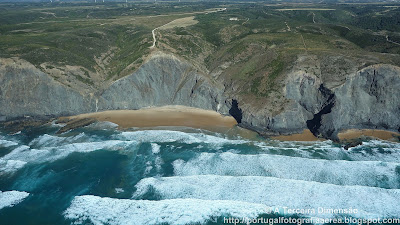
(344, 135)
(305, 136)
(356, 133)
(161, 116)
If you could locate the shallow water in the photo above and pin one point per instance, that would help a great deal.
(191, 176)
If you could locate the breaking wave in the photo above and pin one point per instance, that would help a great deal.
(341, 172)
(11, 198)
(172, 211)
(371, 202)
(192, 176)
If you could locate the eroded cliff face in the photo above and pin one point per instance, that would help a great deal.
(313, 99)
(27, 91)
(368, 99)
(327, 103)
(304, 96)
(163, 80)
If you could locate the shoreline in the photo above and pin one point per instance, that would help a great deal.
(179, 116)
(183, 116)
(351, 134)
(344, 136)
(306, 135)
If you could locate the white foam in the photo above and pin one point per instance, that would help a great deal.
(148, 169)
(162, 136)
(46, 140)
(10, 166)
(382, 143)
(11, 198)
(99, 210)
(370, 202)
(158, 162)
(54, 141)
(378, 150)
(103, 125)
(365, 173)
(119, 190)
(24, 154)
(16, 133)
(7, 143)
(55, 124)
(302, 149)
(155, 148)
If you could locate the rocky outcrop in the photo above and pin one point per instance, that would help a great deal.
(365, 99)
(369, 99)
(307, 97)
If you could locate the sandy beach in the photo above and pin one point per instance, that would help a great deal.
(183, 116)
(305, 136)
(344, 135)
(356, 133)
(161, 116)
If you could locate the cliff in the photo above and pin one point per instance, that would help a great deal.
(162, 80)
(368, 99)
(327, 103)
(27, 91)
(365, 98)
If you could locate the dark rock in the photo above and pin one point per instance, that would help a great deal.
(23, 123)
(352, 143)
(315, 123)
(235, 111)
(76, 123)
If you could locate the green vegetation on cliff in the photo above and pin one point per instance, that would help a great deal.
(252, 45)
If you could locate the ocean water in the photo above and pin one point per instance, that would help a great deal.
(101, 175)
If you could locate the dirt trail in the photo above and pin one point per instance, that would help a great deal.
(390, 41)
(287, 26)
(181, 22)
(305, 46)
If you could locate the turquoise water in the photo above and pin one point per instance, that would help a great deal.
(100, 175)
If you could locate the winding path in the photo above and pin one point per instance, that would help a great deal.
(393, 42)
(153, 32)
(246, 21)
(154, 37)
